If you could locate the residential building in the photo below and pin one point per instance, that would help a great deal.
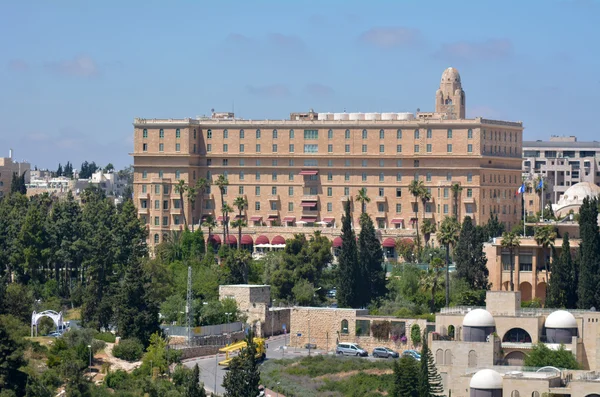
(296, 174)
(8, 167)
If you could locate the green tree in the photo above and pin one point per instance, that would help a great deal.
(363, 199)
(202, 187)
(456, 192)
(192, 244)
(243, 377)
(511, 241)
(348, 270)
(448, 237)
(469, 257)
(541, 356)
(588, 290)
(417, 188)
(406, 377)
(370, 259)
(192, 194)
(430, 381)
(156, 355)
(180, 188)
(494, 228)
(192, 386)
(11, 362)
(432, 279)
(428, 228)
(241, 203)
(238, 264)
(560, 286)
(222, 182)
(545, 237)
(209, 223)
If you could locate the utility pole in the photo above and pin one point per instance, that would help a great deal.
(188, 307)
(216, 368)
(309, 335)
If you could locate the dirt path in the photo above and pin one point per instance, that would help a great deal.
(117, 363)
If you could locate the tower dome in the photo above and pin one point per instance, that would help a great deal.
(450, 97)
(486, 379)
(450, 75)
(561, 319)
(479, 318)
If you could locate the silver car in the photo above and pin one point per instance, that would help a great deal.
(384, 352)
(350, 349)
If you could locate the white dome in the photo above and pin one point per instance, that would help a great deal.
(561, 319)
(576, 193)
(479, 318)
(486, 379)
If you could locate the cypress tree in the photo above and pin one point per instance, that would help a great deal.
(370, 258)
(469, 256)
(243, 377)
(406, 378)
(348, 263)
(560, 286)
(430, 381)
(589, 255)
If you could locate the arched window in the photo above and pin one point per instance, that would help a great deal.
(472, 359)
(439, 357)
(347, 134)
(451, 331)
(517, 335)
(344, 327)
(274, 134)
(258, 134)
(399, 134)
(514, 393)
(365, 134)
(448, 357)
(156, 239)
(535, 394)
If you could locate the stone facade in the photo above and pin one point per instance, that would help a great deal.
(8, 167)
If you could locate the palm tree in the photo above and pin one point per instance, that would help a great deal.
(432, 279)
(428, 228)
(456, 189)
(222, 183)
(545, 236)
(511, 241)
(180, 187)
(192, 192)
(241, 203)
(416, 188)
(448, 236)
(363, 199)
(202, 186)
(226, 211)
(210, 224)
(425, 197)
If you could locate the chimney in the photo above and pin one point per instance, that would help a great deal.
(10, 154)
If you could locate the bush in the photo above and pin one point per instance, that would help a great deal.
(129, 350)
(107, 337)
(117, 379)
(415, 334)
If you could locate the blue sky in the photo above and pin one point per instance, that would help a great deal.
(76, 73)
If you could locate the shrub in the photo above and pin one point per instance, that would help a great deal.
(381, 329)
(535, 303)
(117, 379)
(415, 334)
(107, 337)
(129, 350)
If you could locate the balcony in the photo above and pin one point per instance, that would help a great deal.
(469, 200)
(143, 211)
(345, 198)
(310, 197)
(380, 199)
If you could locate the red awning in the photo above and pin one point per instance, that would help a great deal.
(273, 217)
(231, 240)
(309, 172)
(389, 243)
(289, 219)
(337, 242)
(220, 218)
(215, 239)
(328, 220)
(238, 216)
(397, 221)
(256, 218)
(308, 204)
(262, 240)
(308, 219)
(247, 240)
(278, 240)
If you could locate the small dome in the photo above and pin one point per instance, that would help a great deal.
(576, 193)
(561, 319)
(486, 379)
(479, 318)
(451, 75)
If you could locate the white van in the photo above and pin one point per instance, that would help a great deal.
(351, 349)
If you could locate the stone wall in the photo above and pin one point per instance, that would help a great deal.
(275, 320)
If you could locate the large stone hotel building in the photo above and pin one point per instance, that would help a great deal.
(297, 173)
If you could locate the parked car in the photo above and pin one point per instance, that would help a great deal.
(55, 335)
(351, 349)
(384, 352)
(312, 346)
(331, 293)
(412, 353)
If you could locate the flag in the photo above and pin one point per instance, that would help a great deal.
(541, 184)
(520, 190)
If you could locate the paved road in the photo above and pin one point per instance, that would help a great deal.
(208, 365)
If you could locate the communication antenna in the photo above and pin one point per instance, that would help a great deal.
(188, 307)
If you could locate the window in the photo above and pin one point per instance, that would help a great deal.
(449, 148)
(311, 148)
(144, 174)
(469, 177)
(291, 176)
(398, 208)
(329, 176)
(346, 191)
(469, 193)
(258, 176)
(329, 148)
(382, 163)
(274, 176)
(416, 134)
(274, 191)
(176, 204)
(364, 163)
(145, 147)
(429, 133)
(330, 163)
(273, 205)
(194, 133)
(416, 148)
(446, 191)
(330, 134)
(257, 190)
(416, 163)
(161, 133)
(428, 177)
(225, 133)
(347, 134)
(274, 148)
(365, 134)
(470, 148)
(156, 223)
(177, 147)
(145, 133)
(165, 189)
(311, 134)
(292, 134)
(364, 148)
(347, 176)
(428, 148)
(258, 148)
(209, 134)
(399, 163)
(257, 134)
(274, 163)
(449, 176)
(364, 176)
(311, 163)
(209, 147)
(161, 147)
(398, 177)
(274, 134)
(257, 206)
(156, 204)
(144, 188)
(241, 148)
(445, 208)
(242, 162)
(240, 190)
(225, 148)
(525, 262)
(381, 148)
(329, 207)
(380, 207)
(290, 206)
(290, 191)
(381, 134)
(329, 191)
(194, 148)
(291, 162)
(242, 134)
(449, 133)
(291, 148)
(347, 148)
(399, 134)
(470, 134)
(381, 177)
(165, 221)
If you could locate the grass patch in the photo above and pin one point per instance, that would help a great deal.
(72, 314)
(328, 376)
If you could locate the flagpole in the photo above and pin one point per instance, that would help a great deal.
(524, 216)
(542, 193)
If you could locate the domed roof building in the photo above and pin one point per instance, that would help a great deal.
(486, 382)
(561, 327)
(450, 98)
(478, 324)
(573, 197)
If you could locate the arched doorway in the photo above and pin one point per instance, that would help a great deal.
(36, 317)
(540, 291)
(451, 331)
(516, 335)
(515, 358)
(525, 289)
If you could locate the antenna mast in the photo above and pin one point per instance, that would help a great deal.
(188, 307)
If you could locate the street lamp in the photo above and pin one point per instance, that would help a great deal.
(277, 391)
(167, 348)
(273, 318)
(90, 366)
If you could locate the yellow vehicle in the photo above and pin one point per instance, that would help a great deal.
(234, 349)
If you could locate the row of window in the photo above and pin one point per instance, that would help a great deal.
(314, 134)
(161, 133)
(497, 136)
(314, 148)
